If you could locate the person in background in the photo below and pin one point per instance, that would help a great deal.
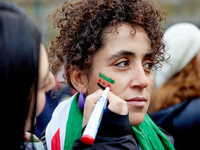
(101, 43)
(175, 102)
(25, 77)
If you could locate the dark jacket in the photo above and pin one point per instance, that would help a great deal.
(182, 121)
(118, 135)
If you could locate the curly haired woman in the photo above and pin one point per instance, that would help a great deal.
(108, 42)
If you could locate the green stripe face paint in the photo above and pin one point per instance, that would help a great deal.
(106, 78)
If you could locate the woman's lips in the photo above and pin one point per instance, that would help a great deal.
(139, 102)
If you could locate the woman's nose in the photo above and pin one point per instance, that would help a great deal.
(139, 78)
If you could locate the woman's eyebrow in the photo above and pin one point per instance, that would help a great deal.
(128, 53)
(122, 53)
(149, 55)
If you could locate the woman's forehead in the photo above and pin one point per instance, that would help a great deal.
(123, 30)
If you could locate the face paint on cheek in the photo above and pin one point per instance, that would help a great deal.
(104, 81)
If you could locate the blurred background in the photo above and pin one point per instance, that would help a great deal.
(177, 11)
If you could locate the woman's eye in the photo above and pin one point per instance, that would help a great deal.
(150, 66)
(123, 64)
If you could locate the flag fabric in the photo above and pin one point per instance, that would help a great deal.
(56, 127)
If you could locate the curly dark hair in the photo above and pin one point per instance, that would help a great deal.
(82, 23)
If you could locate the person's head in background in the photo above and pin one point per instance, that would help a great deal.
(24, 75)
(179, 78)
(121, 39)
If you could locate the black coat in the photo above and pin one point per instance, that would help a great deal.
(114, 134)
(182, 121)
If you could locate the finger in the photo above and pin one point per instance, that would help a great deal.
(28, 137)
(117, 105)
(90, 102)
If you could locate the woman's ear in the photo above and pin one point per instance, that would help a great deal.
(79, 81)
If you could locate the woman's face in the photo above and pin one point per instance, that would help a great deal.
(46, 82)
(126, 59)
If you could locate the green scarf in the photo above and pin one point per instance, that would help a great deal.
(149, 136)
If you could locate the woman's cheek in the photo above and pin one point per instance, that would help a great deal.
(41, 101)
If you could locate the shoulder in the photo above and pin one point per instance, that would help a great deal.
(62, 107)
(188, 117)
(181, 117)
(187, 109)
(57, 124)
